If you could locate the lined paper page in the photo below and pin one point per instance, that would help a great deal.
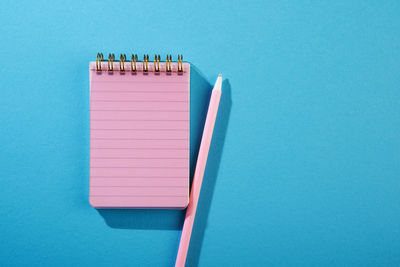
(139, 138)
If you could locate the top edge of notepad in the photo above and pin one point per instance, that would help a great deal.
(139, 66)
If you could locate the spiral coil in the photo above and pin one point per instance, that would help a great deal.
(134, 61)
(99, 59)
(168, 66)
(122, 59)
(146, 63)
(110, 63)
(157, 63)
(180, 66)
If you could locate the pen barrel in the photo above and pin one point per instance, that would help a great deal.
(198, 177)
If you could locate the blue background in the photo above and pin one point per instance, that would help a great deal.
(305, 161)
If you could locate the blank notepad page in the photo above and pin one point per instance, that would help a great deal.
(139, 138)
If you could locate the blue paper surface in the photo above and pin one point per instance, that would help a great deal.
(305, 161)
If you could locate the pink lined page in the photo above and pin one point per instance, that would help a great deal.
(139, 137)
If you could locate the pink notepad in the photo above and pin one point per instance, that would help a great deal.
(139, 137)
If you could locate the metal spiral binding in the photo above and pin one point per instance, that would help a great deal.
(157, 63)
(180, 68)
(110, 65)
(134, 61)
(145, 63)
(168, 67)
(122, 59)
(98, 61)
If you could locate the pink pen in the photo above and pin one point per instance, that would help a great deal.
(199, 173)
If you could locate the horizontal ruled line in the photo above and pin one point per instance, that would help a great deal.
(138, 177)
(140, 148)
(140, 110)
(138, 196)
(128, 167)
(133, 101)
(131, 91)
(131, 120)
(145, 82)
(131, 158)
(139, 139)
(124, 129)
(140, 186)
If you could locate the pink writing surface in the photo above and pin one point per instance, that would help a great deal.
(139, 137)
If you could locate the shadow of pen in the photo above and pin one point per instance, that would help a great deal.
(210, 175)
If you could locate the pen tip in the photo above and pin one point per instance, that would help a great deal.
(218, 83)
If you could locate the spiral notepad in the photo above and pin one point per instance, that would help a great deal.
(139, 132)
